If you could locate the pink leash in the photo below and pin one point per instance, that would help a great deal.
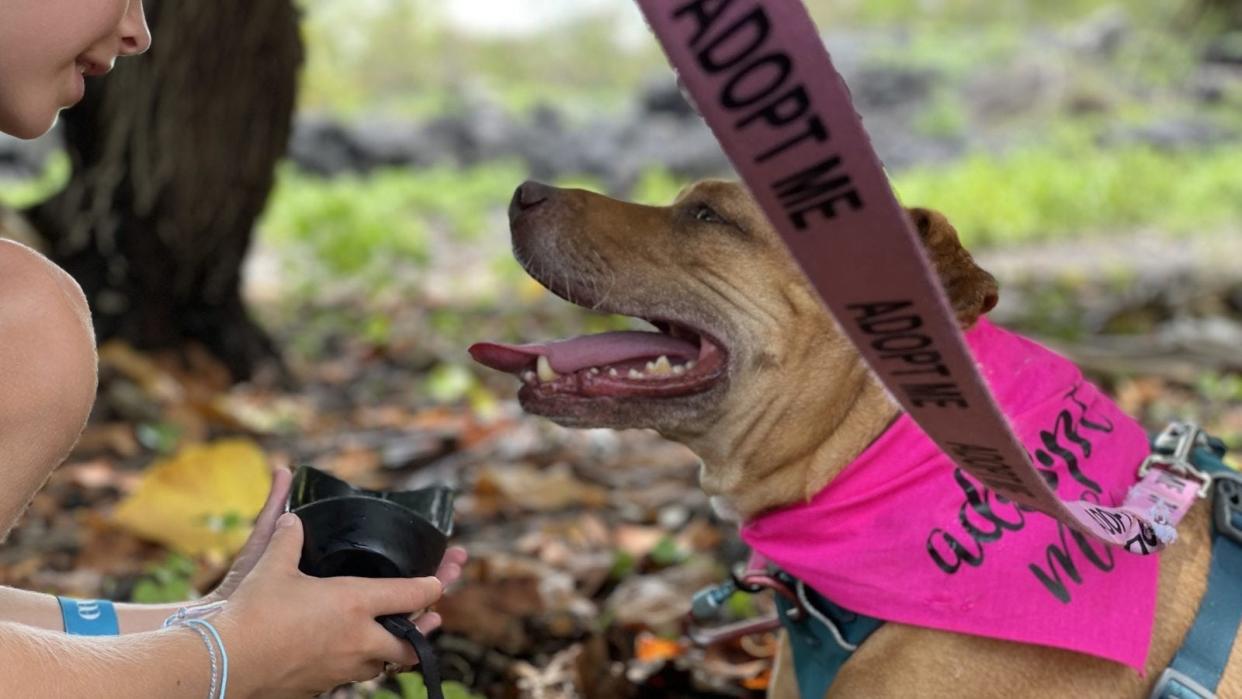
(760, 76)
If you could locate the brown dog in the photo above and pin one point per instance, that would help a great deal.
(743, 384)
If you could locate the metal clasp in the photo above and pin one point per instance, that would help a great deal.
(1227, 508)
(708, 601)
(1174, 684)
(1172, 453)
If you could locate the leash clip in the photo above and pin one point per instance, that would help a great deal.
(1172, 453)
(1228, 506)
(707, 602)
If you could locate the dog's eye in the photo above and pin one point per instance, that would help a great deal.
(707, 215)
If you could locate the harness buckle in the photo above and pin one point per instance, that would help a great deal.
(1176, 685)
(1172, 453)
(1227, 506)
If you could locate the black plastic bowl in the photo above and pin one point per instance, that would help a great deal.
(350, 531)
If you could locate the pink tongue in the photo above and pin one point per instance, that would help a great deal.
(576, 353)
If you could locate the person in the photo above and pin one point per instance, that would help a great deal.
(284, 633)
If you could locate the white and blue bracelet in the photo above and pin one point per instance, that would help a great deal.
(193, 618)
(88, 617)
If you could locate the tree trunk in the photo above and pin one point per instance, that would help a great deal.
(173, 158)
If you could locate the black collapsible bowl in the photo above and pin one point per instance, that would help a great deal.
(366, 533)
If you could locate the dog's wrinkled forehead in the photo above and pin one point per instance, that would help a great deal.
(732, 199)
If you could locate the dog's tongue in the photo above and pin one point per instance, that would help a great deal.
(577, 353)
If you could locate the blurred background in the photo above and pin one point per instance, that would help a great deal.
(290, 220)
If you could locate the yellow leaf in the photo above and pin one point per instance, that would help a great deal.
(202, 501)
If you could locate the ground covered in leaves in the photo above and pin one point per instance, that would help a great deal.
(586, 546)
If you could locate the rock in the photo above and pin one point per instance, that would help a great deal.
(1226, 49)
(877, 87)
(662, 95)
(323, 146)
(1102, 32)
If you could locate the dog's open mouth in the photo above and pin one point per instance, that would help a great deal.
(676, 361)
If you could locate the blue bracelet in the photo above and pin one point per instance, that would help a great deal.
(95, 617)
(224, 656)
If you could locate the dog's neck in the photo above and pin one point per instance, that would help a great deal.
(793, 450)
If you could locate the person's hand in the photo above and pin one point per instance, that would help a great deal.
(448, 573)
(289, 634)
(264, 525)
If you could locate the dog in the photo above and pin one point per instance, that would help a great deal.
(756, 378)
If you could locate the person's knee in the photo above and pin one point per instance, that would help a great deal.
(47, 369)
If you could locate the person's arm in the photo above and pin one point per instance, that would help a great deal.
(45, 664)
(42, 611)
(285, 634)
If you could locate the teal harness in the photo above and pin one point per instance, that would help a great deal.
(824, 635)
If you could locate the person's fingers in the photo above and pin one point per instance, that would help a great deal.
(391, 649)
(428, 622)
(394, 595)
(277, 497)
(265, 522)
(285, 549)
(451, 565)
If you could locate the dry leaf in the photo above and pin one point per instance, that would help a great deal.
(648, 647)
(524, 487)
(202, 501)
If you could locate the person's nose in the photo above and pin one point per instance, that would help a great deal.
(135, 36)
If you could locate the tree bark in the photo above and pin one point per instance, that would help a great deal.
(173, 158)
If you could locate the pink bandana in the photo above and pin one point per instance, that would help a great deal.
(903, 535)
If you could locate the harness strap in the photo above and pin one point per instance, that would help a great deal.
(1199, 664)
(823, 638)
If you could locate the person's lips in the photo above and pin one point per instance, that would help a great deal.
(93, 68)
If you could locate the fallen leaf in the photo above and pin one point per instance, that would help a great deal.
(524, 487)
(649, 647)
(201, 501)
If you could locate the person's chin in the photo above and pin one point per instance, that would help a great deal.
(28, 128)
(31, 122)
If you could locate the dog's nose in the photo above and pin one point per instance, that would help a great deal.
(528, 195)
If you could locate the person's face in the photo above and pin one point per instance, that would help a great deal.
(47, 47)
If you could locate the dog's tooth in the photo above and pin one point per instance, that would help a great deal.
(529, 377)
(690, 365)
(613, 373)
(546, 373)
(660, 367)
(635, 374)
(679, 370)
(594, 371)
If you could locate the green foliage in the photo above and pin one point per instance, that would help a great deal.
(160, 437)
(368, 227)
(657, 187)
(23, 193)
(623, 564)
(1043, 192)
(449, 383)
(945, 118)
(166, 582)
(667, 553)
(412, 687)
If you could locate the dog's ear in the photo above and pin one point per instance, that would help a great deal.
(971, 290)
